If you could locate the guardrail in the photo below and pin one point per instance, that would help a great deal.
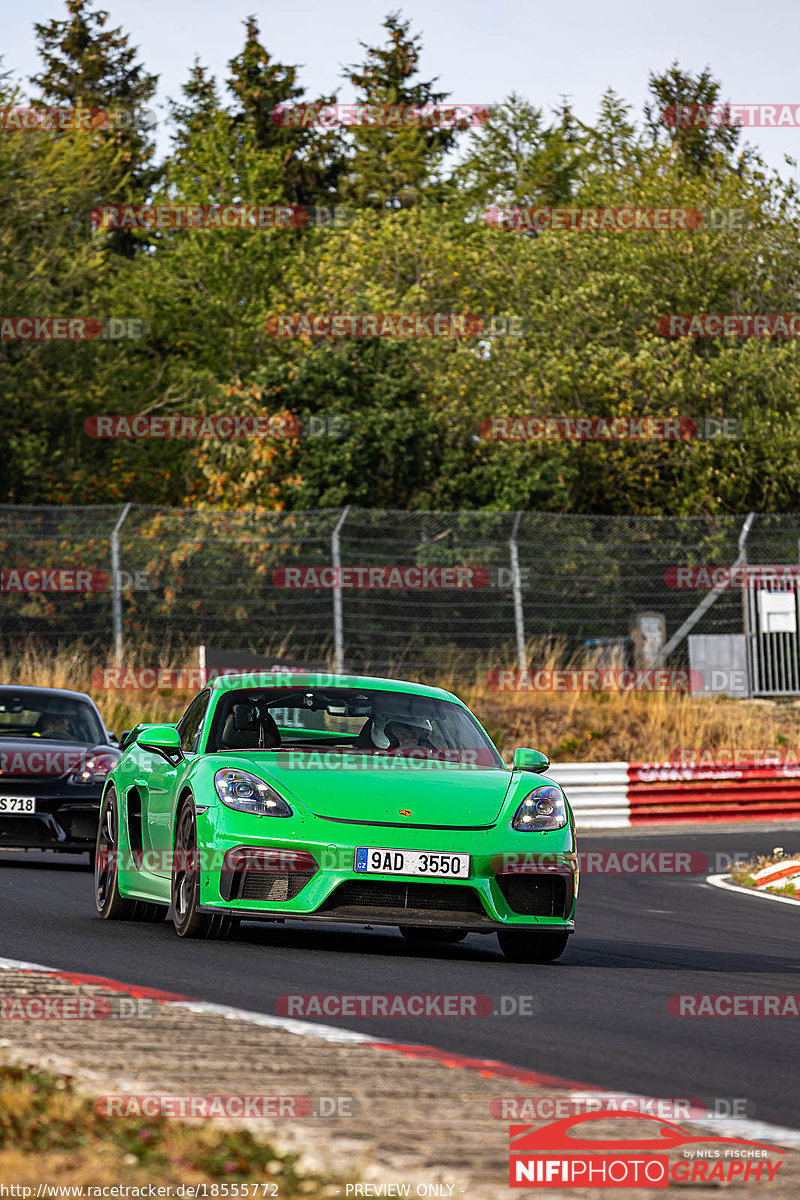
(619, 794)
(598, 792)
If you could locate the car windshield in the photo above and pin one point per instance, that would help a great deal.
(344, 720)
(48, 716)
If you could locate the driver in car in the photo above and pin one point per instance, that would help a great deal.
(400, 732)
(52, 723)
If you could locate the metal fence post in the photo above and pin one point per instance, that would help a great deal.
(516, 584)
(338, 621)
(709, 599)
(116, 585)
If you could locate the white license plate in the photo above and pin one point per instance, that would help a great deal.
(17, 804)
(372, 860)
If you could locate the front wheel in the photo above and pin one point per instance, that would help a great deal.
(534, 947)
(185, 888)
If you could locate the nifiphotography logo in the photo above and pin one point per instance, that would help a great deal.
(552, 1156)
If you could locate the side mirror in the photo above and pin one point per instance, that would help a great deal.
(161, 739)
(530, 760)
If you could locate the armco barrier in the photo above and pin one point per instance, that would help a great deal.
(598, 792)
(747, 792)
(614, 795)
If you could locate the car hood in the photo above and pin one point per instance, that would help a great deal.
(438, 795)
(34, 759)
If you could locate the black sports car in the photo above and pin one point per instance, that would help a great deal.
(55, 753)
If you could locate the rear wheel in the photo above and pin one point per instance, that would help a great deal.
(110, 903)
(188, 922)
(535, 947)
(413, 934)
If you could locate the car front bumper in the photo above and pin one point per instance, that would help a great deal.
(498, 893)
(60, 822)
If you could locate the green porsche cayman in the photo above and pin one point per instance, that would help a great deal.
(335, 798)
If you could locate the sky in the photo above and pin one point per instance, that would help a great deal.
(480, 50)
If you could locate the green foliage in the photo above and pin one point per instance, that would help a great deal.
(394, 167)
(588, 301)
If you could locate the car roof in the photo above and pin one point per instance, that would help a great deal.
(256, 678)
(26, 689)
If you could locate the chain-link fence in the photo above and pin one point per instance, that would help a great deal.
(436, 590)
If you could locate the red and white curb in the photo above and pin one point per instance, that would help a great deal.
(726, 883)
(785, 870)
(487, 1068)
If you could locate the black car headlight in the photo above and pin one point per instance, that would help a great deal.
(95, 768)
(543, 808)
(247, 793)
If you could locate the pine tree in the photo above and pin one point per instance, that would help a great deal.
(698, 145)
(201, 105)
(395, 167)
(87, 65)
(313, 159)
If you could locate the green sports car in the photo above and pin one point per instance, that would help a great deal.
(336, 798)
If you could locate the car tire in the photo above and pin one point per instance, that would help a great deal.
(414, 934)
(535, 947)
(109, 902)
(185, 885)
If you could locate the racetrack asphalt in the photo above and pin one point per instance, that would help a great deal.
(599, 1016)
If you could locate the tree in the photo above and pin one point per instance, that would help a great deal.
(192, 118)
(399, 166)
(88, 65)
(517, 158)
(311, 158)
(698, 145)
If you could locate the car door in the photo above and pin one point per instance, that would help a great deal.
(160, 784)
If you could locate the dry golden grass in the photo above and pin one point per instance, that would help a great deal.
(568, 726)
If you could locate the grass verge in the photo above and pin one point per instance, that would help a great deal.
(49, 1133)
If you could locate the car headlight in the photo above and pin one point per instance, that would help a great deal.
(248, 793)
(94, 768)
(543, 808)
